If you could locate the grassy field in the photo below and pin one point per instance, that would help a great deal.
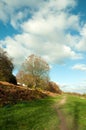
(41, 115)
(75, 112)
(33, 115)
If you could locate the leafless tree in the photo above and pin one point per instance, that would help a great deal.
(35, 70)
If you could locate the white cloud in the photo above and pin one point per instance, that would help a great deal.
(20, 46)
(82, 40)
(17, 19)
(78, 87)
(81, 67)
(3, 13)
(16, 51)
(60, 4)
(22, 3)
(74, 88)
(46, 32)
(10, 10)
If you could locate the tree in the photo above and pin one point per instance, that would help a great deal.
(53, 87)
(6, 68)
(34, 71)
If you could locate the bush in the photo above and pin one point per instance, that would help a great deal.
(53, 87)
(11, 94)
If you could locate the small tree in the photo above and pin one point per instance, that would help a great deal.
(6, 67)
(36, 70)
(53, 87)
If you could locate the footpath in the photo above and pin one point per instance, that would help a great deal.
(60, 114)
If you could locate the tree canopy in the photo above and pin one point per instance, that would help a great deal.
(35, 71)
(6, 67)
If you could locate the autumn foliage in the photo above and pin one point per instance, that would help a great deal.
(11, 94)
(34, 72)
(53, 87)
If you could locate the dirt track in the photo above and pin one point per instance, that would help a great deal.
(63, 123)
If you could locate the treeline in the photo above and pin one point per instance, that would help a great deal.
(34, 72)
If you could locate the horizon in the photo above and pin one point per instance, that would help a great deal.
(54, 30)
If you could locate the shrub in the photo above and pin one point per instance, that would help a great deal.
(53, 87)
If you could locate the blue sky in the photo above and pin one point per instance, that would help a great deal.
(53, 29)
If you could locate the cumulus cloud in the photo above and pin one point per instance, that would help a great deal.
(11, 10)
(81, 67)
(82, 39)
(46, 29)
(20, 46)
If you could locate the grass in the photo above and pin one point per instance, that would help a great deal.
(41, 115)
(33, 115)
(75, 112)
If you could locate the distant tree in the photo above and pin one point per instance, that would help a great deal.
(34, 71)
(53, 87)
(6, 67)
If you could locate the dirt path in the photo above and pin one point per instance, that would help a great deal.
(63, 123)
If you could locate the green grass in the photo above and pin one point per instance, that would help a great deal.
(41, 114)
(33, 115)
(75, 112)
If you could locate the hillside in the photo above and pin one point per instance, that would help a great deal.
(22, 108)
(10, 93)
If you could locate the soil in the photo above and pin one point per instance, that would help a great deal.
(60, 114)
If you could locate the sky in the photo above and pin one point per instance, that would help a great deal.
(52, 29)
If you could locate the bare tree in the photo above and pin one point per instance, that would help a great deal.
(36, 70)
